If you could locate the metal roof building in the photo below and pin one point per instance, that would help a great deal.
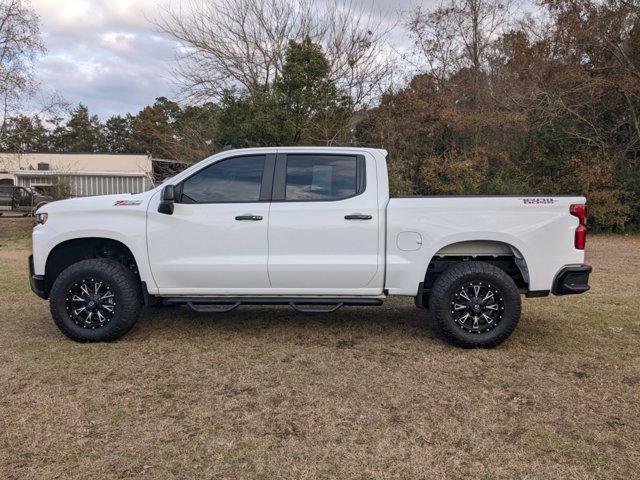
(86, 173)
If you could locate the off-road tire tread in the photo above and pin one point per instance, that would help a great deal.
(463, 271)
(129, 299)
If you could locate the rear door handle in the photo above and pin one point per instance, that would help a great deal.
(254, 218)
(357, 216)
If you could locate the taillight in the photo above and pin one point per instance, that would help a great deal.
(580, 210)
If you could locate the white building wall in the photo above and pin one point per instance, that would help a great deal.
(86, 174)
(78, 162)
(83, 185)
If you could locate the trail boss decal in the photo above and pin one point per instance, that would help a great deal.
(126, 203)
(538, 201)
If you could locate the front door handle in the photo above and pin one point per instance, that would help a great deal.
(254, 218)
(357, 216)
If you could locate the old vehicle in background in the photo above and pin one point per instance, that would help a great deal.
(23, 200)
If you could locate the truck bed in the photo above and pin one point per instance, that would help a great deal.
(538, 229)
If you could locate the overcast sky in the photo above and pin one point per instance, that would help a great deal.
(106, 54)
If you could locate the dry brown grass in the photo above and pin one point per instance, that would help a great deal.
(362, 393)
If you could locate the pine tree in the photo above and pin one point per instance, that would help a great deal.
(25, 134)
(82, 132)
(117, 134)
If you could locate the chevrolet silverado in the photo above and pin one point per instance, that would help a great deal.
(314, 228)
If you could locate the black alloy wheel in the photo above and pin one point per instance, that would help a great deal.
(96, 300)
(91, 303)
(475, 304)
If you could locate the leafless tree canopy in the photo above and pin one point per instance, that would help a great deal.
(20, 44)
(230, 44)
(458, 34)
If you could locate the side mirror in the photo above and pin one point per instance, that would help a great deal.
(167, 198)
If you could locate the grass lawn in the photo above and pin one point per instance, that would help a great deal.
(361, 393)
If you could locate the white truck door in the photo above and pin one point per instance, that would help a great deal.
(323, 224)
(216, 239)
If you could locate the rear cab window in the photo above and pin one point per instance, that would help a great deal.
(318, 177)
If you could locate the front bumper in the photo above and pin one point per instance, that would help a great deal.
(571, 280)
(36, 281)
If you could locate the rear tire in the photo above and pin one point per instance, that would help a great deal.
(475, 305)
(96, 300)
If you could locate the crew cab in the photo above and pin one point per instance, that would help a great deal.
(310, 227)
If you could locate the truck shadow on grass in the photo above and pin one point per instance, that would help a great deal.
(398, 321)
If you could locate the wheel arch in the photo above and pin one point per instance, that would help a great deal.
(68, 252)
(486, 248)
(503, 253)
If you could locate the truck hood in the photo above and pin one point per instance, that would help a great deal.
(99, 203)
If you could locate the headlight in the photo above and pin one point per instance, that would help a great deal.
(41, 218)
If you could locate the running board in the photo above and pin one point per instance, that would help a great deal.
(227, 304)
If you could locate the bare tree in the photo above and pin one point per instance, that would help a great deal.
(457, 34)
(598, 83)
(454, 46)
(227, 44)
(20, 45)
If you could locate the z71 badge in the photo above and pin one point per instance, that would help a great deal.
(538, 201)
(126, 203)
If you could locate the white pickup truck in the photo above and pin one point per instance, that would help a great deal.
(313, 228)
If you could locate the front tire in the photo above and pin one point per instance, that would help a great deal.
(96, 300)
(475, 305)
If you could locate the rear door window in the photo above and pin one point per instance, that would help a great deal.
(321, 177)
